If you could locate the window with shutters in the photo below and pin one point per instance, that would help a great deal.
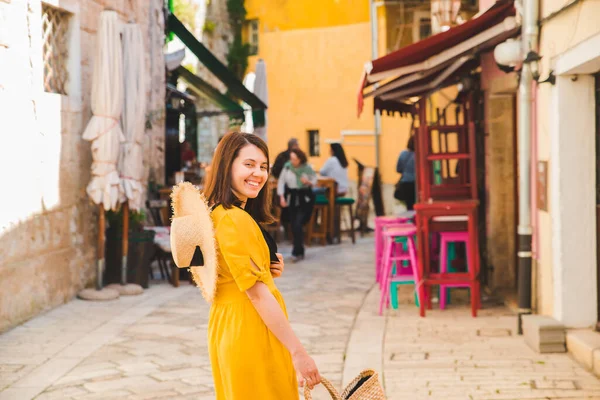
(314, 147)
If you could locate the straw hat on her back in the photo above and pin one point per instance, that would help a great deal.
(192, 238)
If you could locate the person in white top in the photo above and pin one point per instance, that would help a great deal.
(336, 167)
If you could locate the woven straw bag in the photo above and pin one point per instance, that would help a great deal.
(365, 386)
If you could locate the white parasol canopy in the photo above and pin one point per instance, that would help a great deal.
(248, 125)
(134, 110)
(104, 130)
(260, 90)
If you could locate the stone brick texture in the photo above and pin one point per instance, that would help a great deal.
(48, 253)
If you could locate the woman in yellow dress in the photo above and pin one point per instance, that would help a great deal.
(254, 353)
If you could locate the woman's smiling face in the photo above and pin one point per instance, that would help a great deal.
(249, 172)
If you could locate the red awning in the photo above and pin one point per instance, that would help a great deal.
(435, 59)
(433, 45)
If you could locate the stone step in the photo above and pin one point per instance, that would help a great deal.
(544, 334)
(584, 346)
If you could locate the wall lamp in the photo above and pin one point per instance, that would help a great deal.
(533, 60)
(509, 58)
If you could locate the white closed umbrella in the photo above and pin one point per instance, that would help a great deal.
(260, 90)
(130, 161)
(134, 110)
(104, 129)
(248, 126)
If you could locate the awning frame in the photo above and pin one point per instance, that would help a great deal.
(433, 85)
(203, 88)
(216, 67)
(182, 95)
(437, 62)
(405, 80)
(509, 24)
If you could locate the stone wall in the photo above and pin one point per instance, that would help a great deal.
(501, 195)
(210, 129)
(48, 227)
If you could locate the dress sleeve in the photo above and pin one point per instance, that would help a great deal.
(238, 247)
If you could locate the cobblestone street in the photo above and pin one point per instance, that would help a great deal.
(154, 346)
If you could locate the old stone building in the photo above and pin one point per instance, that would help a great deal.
(216, 39)
(48, 226)
(211, 27)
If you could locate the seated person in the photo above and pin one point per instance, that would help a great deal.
(336, 167)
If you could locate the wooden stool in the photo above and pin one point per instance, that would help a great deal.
(340, 203)
(318, 231)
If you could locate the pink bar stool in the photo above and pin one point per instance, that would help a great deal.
(394, 252)
(385, 228)
(381, 223)
(445, 239)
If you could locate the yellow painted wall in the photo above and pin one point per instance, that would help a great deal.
(313, 81)
(557, 35)
(314, 53)
(285, 15)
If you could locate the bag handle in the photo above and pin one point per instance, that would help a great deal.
(334, 394)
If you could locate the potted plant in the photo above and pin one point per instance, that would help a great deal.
(140, 248)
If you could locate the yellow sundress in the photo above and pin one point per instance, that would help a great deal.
(248, 361)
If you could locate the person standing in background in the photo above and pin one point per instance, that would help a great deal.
(294, 189)
(283, 157)
(336, 167)
(405, 188)
(276, 169)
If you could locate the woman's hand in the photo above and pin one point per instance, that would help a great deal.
(282, 202)
(305, 180)
(306, 369)
(277, 269)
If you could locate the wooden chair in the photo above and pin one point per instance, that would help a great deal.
(330, 186)
(319, 221)
(162, 241)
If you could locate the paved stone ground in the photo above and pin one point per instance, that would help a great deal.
(154, 346)
(449, 355)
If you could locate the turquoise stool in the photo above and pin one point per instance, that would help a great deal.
(321, 199)
(448, 247)
(394, 285)
(451, 257)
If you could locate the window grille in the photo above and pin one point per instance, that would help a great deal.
(55, 29)
(314, 143)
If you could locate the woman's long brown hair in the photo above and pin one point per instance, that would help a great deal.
(217, 187)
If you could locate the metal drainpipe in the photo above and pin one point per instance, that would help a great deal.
(374, 55)
(529, 37)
